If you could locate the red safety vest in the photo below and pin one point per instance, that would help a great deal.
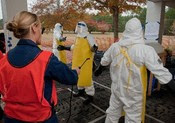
(1, 55)
(23, 89)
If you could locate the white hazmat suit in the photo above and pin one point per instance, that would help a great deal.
(126, 58)
(57, 40)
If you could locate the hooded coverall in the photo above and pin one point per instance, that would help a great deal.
(56, 42)
(128, 59)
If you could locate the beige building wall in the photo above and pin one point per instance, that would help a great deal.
(9, 9)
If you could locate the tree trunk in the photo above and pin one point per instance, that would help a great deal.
(115, 22)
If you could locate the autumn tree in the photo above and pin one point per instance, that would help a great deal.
(114, 7)
(91, 24)
(50, 14)
(100, 26)
(169, 19)
(45, 9)
(173, 27)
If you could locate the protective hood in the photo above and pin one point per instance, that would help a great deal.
(133, 33)
(81, 29)
(58, 30)
(57, 33)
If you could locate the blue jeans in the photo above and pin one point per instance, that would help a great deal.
(52, 119)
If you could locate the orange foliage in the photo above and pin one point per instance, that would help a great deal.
(109, 5)
(68, 15)
(101, 26)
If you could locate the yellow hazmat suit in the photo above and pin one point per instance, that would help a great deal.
(56, 42)
(61, 54)
(83, 49)
(81, 52)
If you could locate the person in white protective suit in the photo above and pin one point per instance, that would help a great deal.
(128, 61)
(83, 53)
(58, 39)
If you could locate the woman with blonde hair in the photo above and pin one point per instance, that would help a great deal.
(27, 74)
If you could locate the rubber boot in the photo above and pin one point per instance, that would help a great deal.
(80, 93)
(88, 100)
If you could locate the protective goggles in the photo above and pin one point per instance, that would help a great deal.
(81, 24)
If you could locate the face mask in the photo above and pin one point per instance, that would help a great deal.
(58, 27)
(80, 28)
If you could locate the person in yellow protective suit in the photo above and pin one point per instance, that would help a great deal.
(128, 61)
(83, 53)
(59, 40)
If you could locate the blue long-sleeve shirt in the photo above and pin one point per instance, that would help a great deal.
(26, 50)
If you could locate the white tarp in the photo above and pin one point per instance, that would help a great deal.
(152, 31)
